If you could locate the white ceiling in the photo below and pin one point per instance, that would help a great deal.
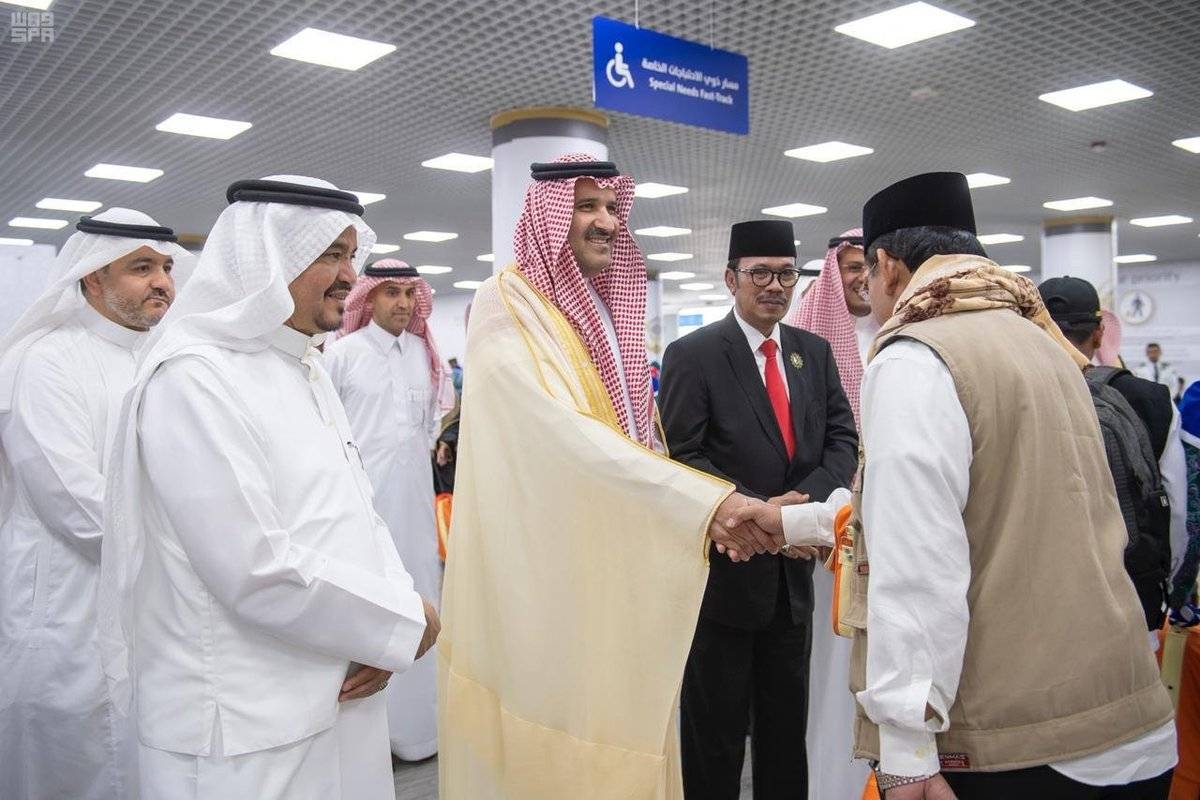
(117, 68)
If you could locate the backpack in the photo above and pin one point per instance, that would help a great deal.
(1140, 493)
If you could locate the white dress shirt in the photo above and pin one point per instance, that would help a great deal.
(267, 571)
(755, 339)
(915, 489)
(1160, 372)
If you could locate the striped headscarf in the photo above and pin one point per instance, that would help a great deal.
(545, 258)
(823, 311)
(360, 308)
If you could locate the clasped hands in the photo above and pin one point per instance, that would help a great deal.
(366, 681)
(745, 526)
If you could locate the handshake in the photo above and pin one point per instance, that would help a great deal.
(744, 526)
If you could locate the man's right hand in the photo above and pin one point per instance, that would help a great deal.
(741, 540)
(433, 626)
(766, 517)
(792, 498)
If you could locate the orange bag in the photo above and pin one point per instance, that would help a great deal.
(443, 504)
(841, 562)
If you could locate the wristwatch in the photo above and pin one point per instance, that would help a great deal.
(885, 781)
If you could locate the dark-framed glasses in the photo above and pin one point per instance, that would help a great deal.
(762, 277)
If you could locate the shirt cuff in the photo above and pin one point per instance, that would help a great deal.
(811, 524)
(907, 753)
(406, 636)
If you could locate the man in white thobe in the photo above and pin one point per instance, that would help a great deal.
(249, 591)
(390, 377)
(64, 369)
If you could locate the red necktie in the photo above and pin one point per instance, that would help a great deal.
(777, 393)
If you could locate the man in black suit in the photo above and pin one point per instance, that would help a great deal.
(759, 404)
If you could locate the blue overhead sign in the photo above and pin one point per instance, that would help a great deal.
(640, 71)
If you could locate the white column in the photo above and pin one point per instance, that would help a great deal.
(523, 136)
(1082, 247)
(655, 341)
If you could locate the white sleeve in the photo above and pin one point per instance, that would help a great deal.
(918, 459)
(1173, 469)
(811, 524)
(51, 444)
(220, 503)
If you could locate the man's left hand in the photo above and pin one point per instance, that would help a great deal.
(792, 498)
(367, 681)
(934, 788)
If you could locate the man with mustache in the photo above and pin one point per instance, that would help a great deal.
(64, 369)
(576, 560)
(249, 590)
(386, 368)
(759, 404)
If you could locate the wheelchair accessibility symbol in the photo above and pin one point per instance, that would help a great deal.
(617, 71)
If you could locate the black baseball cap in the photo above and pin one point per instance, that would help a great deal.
(1072, 302)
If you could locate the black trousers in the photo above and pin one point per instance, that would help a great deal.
(1037, 783)
(736, 679)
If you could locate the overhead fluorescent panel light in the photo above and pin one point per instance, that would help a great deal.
(1000, 238)
(116, 172)
(662, 231)
(695, 287)
(59, 204)
(459, 162)
(1158, 222)
(329, 49)
(669, 256)
(1095, 95)
(795, 210)
(379, 248)
(1191, 144)
(654, 190)
(4, 240)
(714, 297)
(43, 223)
(208, 127)
(676, 276)
(906, 24)
(1077, 203)
(430, 236)
(40, 5)
(1135, 258)
(979, 180)
(828, 151)
(366, 198)
(1017, 267)
(472, 285)
(433, 269)
(487, 257)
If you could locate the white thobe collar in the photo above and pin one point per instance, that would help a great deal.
(108, 330)
(754, 337)
(384, 340)
(293, 342)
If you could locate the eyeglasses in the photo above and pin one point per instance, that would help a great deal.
(762, 277)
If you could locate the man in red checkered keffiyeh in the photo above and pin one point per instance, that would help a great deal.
(836, 309)
(554, 257)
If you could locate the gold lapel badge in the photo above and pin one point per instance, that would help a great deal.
(797, 360)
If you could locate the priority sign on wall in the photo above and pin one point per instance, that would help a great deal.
(643, 72)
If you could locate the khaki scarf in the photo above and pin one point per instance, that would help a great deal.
(950, 284)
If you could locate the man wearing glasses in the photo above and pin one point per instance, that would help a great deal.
(759, 404)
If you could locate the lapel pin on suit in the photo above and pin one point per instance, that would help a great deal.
(797, 360)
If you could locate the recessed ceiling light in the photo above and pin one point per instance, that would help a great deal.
(468, 284)
(906, 24)
(16, 242)
(651, 190)
(795, 210)
(714, 297)
(1095, 95)
(669, 256)
(459, 162)
(1136, 258)
(978, 180)
(1017, 267)
(828, 151)
(430, 236)
(1000, 238)
(37, 222)
(433, 269)
(379, 248)
(366, 198)
(40, 5)
(59, 204)
(490, 258)
(332, 49)
(208, 127)
(1191, 144)
(796, 242)
(1158, 222)
(676, 276)
(116, 172)
(696, 287)
(662, 231)
(1077, 203)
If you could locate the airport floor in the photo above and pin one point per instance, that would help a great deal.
(418, 781)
